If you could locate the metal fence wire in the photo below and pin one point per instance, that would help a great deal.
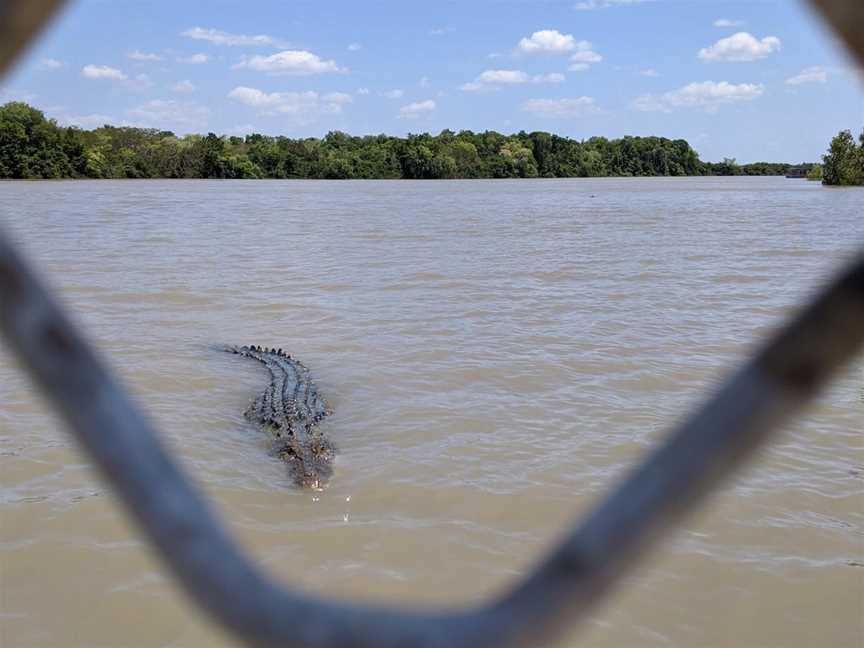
(763, 394)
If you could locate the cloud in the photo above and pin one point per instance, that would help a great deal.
(424, 82)
(815, 74)
(727, 22)
(393, 94)
(50, 64)
(417, 109)
(138, 55)
(551, 77)
(168, 114)
(184, 86)
(17, 95)
(583, 57)
(355, 47)
(547, 41)
(102, 72)
(140, 83)
(561, 108)
(649, 72)
(740, 48)
(440, 31)
(502, 76)
(219, 37)
(362, 91)
(588, 5)
(195, 59)
(302, 107)
(294, 62)
(708, 95)
(494, 79)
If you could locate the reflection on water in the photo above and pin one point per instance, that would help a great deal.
(496, 353)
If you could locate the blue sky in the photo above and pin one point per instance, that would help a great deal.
(753, 80)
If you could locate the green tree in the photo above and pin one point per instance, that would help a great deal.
(844, 162)
(815, 173)
(32, 146)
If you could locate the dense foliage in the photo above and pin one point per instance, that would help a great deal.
(844, 162)
(32, 146)
(816, 173)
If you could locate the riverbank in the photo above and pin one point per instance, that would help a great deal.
(38, 148)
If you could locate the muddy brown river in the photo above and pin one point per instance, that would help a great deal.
(497, 353)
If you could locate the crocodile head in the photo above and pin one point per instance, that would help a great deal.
(310, 462)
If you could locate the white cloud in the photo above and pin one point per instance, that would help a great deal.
(649, 72)
(502, 76)
(585, 53)
(547, 41)
(551, 77)
(424, 82)
(393, 94)
(587, 5)
(440, 31)
(302, 107)
(362, 91)
(739, 48)
(195, 59)
(727, 22)
(138, 55)
(102, 72)
(17, 95)
(169, 114)
(140, 83)
(50, 64)
(355, 47)
(583, 57)
(295, 62)
(184, 86)
(561, 108)
(494, 79)
(706, 94)
(417, 109)
(491, 79)
(219, 37)
(815, 74)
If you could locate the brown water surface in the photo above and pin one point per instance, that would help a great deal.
(497, 354)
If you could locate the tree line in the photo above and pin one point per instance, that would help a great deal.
(32, 146)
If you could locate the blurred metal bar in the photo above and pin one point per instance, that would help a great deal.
(20, 21)
(847, 19)
(780, 379)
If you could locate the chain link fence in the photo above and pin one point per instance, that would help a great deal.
(753, 404)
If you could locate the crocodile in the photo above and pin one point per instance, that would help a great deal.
(290, 408)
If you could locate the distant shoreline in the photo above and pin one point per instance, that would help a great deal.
(38, 148)
(424, 180)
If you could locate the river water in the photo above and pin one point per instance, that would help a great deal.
(497, 354)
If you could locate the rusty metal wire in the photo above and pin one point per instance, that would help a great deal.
(752, 406)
